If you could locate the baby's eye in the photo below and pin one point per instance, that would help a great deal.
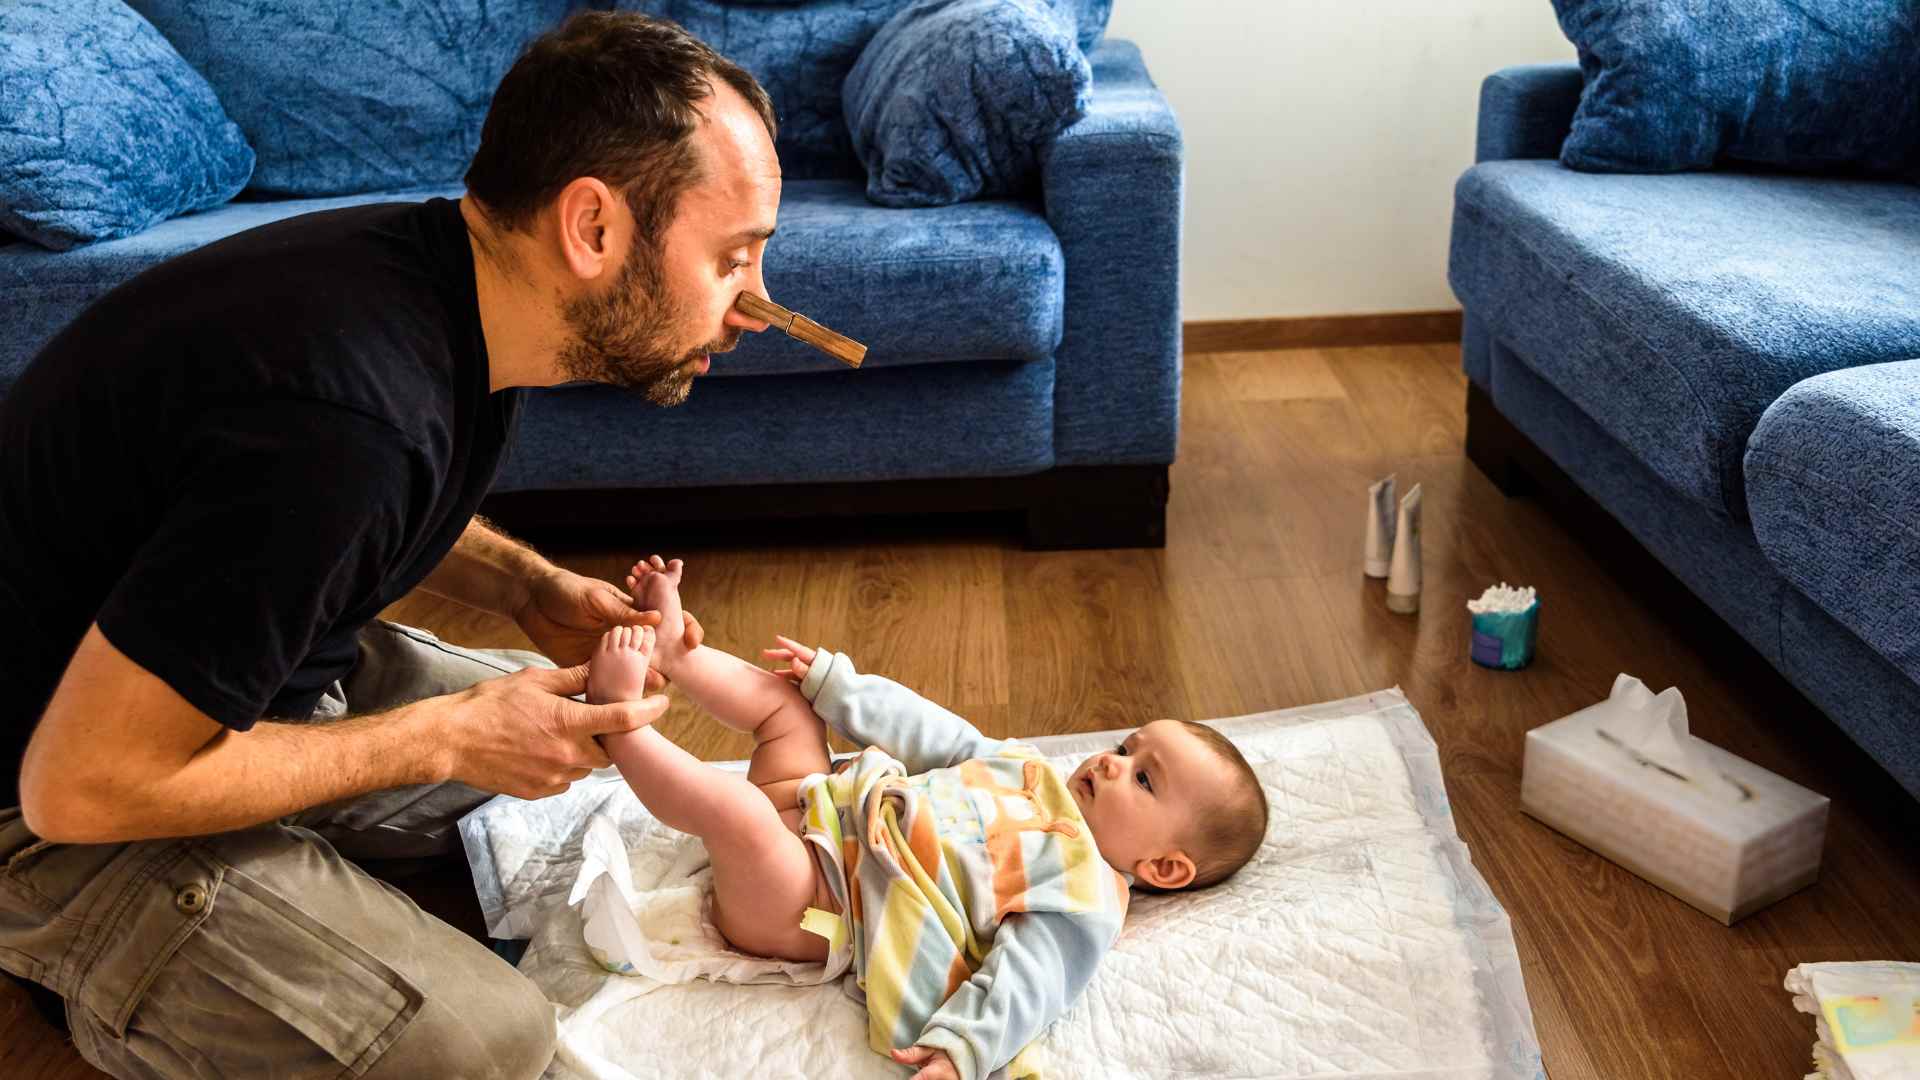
(1121, 749)
(1145, 780)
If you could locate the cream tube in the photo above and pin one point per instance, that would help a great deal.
(1403, 582)
(1380, 527)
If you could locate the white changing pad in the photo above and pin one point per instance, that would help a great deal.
(1359, 943)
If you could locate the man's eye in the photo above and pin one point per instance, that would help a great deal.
(1145, 780)
(735, 266)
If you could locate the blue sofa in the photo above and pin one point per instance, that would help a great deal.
(1024, 354)
(1724, 362)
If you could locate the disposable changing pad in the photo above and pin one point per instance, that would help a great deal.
(1359, 943)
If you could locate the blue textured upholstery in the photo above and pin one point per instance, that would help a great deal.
(1674, 309)
(104, 129)
(1876, 704)
(1636, 328)
(342, 96)
(1524, 111)
(1810, 85)
(802, 50)
(1113, 188)
(1830, 476)
(953, 98)
(928, 421)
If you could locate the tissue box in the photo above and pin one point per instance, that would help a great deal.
(1728, 855)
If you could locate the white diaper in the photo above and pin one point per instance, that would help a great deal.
(661, 927)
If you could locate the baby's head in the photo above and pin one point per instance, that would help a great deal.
(1175, 805)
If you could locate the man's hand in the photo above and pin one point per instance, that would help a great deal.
(564, 614)
(934, 1064)
(524, 735)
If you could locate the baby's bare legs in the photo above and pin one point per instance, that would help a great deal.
(790, 741)
(764, 876)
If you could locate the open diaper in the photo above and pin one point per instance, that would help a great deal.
(1359, 942)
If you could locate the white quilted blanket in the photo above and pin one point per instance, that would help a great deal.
(1359, 943)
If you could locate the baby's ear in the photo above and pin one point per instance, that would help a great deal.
(1171, 871)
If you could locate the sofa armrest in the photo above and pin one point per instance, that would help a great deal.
(1526, 111)
(1829, 488)
(1113, 186)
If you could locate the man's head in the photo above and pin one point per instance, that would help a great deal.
(634, 168)
(1175, 805)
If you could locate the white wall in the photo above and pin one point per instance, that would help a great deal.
(1323, 138)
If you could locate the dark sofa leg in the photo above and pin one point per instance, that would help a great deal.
(1113, 506)
(1496, 446)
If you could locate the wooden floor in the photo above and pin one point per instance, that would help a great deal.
(1257, 602)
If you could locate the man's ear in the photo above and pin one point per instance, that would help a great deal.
(1170, 871)
(589, 228)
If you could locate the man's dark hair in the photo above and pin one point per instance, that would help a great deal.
(609, 95)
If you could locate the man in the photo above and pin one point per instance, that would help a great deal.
(214, 480)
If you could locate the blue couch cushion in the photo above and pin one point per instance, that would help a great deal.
(1810, 85)
(934, 420)
(1830, 479)
(1674, 309)
(106, 129)
(801, 51)
(345, 96)
(953, 98)
(982, 280)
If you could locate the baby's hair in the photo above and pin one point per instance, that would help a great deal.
(1232, 827)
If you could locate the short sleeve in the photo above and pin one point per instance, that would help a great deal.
(281, 517)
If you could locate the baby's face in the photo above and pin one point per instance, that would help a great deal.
(1144, 796)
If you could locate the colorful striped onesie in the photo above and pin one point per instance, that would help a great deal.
(976, 905)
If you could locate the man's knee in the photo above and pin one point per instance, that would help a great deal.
(496, 1024)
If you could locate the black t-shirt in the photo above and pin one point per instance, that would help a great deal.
(235, 460)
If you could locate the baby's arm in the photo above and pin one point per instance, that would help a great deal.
(871, 710)
(1038, 966)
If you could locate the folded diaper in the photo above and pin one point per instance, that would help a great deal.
(1866, 1016)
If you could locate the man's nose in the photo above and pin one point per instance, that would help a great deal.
(735, 317)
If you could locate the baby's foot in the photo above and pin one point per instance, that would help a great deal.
(655, 585)
(618, 668)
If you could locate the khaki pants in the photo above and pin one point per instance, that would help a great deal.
(265, 952)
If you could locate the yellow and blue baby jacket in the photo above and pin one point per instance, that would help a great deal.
(974, 900)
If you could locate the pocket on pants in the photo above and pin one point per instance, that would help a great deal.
(260, 984)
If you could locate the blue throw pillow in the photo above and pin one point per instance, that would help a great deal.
(952, 99)
(1809, 85)
(345, 96)
(104, 129)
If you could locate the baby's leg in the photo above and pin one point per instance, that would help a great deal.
(764, 877)
(790, 741)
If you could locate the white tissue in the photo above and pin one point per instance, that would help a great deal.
(1502, 599)
(1654, 727)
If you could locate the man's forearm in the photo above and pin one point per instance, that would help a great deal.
(487, 569)
(241, 779)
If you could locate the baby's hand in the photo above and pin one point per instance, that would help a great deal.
(797, 657)
(934, 1064)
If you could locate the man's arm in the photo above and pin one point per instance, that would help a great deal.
(561, 612)
(488, 570)
(119, 755)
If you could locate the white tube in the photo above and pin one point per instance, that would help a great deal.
(1380, 527)
(1403, 582)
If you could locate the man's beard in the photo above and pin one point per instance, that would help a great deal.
(625, 337)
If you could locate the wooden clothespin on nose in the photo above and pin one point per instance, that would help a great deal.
(800, 328)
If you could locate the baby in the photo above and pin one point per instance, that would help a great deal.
(971, 889)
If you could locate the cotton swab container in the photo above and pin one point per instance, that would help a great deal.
(1506, 623)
